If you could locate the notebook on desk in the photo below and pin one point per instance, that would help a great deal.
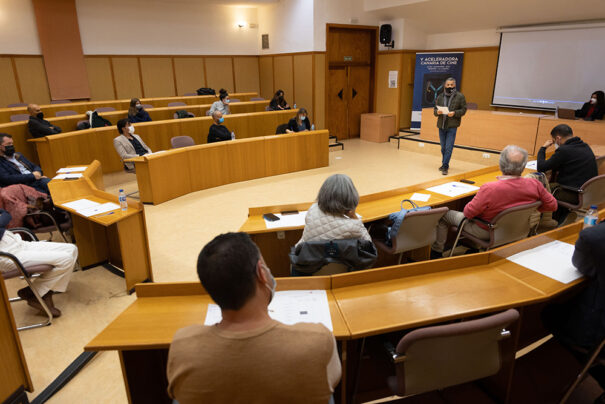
(566, 113)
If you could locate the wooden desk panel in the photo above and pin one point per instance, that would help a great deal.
(487, 129)
(591, 132)
(65, 149)
(208, 165)
(81, 107)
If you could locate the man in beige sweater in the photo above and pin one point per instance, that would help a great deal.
(248, 357)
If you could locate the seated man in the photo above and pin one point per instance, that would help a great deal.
(248, 357)
(37, 125)
(62, 256)
(572, 164)
(218, 132)
(580, 322)
(127, 144)
(16, 169)
(492, 198)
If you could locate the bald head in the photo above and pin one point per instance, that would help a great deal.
(512, 160)
(33, 109)
(216, 115)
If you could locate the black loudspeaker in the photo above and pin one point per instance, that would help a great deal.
(385, 35)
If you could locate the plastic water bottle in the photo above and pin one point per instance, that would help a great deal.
(232, 135)
(122, 199)
(313, 127)
(294, 106)
(591, 217)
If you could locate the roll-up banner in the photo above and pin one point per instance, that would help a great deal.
(432, 68)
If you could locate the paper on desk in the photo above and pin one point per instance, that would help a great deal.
(294, 220)
(532, 165)
(95, 210)
(444, 110)
(67, 176)
(552, 259)
(70, 170)
(420, 197)
(80, 204)
(290, 307)
(453, 189)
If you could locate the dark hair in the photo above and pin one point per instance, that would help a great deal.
(278, 94)
(562, 130)
(226, 267)
(600, 98)
(223, 95)
(121, 124)
(3, 135)
(132, 111)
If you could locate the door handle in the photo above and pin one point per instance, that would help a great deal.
(340, 94)
(354, 93)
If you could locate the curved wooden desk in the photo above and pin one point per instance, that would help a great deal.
(83, 106)
(362, 304)
(177, 172)
(119, 238)
(73, 148)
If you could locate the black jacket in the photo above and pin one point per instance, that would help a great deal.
(573, 163)
(140, 116)
(456, 104)
(218, 133)
(41, 127)
(10, 173)
(597, 113)
(308, 258)
(293, 125)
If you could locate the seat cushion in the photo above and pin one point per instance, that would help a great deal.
(34, 269)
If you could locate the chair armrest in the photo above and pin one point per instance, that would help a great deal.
(25, 230)
(485, 222)
(393, 356)
(568, 188)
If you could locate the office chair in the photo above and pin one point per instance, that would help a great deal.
(26, 273)
(433, 358)
(595, 356)
(66, 112)
(60, 102)
(418, 229)
(189, 94)
(19, 117)
(181, 141)
(147, 106)
(257, 99)
(234, 100)
(329, 257)
(17, 104)
(592, 192)
(177, 104)
(510, 225)
(281, 129)
(105, 109)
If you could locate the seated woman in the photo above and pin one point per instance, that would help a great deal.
(593, 109)
(333, 216)
(222, 105)
(278, 103)
(128, 144)
(299, 123)
(136, 112)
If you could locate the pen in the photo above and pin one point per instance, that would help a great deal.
(106, 214)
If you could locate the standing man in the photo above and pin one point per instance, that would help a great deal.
(448, 124)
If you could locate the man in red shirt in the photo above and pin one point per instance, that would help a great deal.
(492, 198)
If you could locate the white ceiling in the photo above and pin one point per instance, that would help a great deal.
(441, 16)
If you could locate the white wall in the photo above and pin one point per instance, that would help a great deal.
(468, 39)
(413, 37)
(18, 32)
(289, 24)
(154, 27)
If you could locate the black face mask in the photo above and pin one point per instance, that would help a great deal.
(40, 115)
(450, 91)
(9, 150)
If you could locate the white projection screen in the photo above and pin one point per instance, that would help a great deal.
(551, 68)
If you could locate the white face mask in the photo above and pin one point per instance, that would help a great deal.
(131, 129)
(226, 101)
(302, 118)
(272, 280)
(593, 100)
(556, 146)
(138, 106)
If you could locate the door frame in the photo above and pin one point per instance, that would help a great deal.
(373, 29)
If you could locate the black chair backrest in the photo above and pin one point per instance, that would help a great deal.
(281, 129)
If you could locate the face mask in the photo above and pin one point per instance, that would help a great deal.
(9, 150)
(131, 129)
(139, 106)
(593, 100)
(221, 120)
(449, 91)
(302, 118)
(226, 101)
(556, 146)
(273, 283)
(40, 115)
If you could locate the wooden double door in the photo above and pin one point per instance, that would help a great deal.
(348, 98)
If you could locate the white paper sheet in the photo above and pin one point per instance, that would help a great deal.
(295, 220)
(96, 210)
(444, 110)
(393, 78)
(80, 204)
(552, 259)
(67, 176)
(420, 197)
(453, 189)
(71, 170)
(532, 165)
(290, 307)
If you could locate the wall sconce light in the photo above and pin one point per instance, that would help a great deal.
(241, 24)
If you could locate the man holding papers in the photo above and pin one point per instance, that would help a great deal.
(492, 198)
(450, 106)
(248, 357)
